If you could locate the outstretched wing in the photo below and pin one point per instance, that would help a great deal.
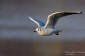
(39, 23)
(54, 17)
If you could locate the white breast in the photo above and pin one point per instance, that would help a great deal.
(45, 32)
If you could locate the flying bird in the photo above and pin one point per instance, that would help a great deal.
(49, 28)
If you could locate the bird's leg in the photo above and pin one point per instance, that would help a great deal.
(57, 33)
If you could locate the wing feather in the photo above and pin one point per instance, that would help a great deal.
(39, 23)
(54, 17)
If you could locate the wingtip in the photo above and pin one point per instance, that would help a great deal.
(29, 17)
(80, 12)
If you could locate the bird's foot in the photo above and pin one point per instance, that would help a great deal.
(57, 33)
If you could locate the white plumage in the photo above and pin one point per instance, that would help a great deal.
(49, 28)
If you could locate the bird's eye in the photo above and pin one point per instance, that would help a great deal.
(38, 29)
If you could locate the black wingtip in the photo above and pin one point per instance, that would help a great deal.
(81, 12)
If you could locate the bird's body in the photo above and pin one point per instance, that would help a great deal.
(49, 28)
(45, 31)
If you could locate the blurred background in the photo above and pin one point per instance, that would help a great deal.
(16, 30)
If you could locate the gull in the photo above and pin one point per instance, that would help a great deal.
(49, 28)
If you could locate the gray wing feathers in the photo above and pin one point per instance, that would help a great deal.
(54, 17)
(39, 23)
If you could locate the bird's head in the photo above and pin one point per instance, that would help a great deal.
(37, 29)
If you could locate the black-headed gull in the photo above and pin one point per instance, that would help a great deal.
(49, 28)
